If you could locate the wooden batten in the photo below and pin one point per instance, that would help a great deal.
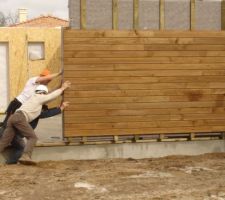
(115, 14)
(83, 15)
(162, 14)
(136, 14)
(223, 14)
(193, 15)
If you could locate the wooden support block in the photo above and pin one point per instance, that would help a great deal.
(222, 136)
(193, 15)
(83, 17)
(136, 138)
(162, 14)
(115, 138)
(136, 14)
(161, 137)
(192, 136)
(115, 14)
(84, 140)
(67, 141)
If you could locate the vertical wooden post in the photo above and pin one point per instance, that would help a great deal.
(162, 14)
(83, 17)
(115, 14)
(223, 15)
(136, 14)
(192, 15)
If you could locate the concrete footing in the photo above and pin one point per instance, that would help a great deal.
(127, 150)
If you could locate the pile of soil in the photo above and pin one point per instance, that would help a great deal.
(173, 177)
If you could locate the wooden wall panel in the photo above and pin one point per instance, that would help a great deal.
(143, 82)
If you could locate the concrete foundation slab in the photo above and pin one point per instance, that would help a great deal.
(127, 150)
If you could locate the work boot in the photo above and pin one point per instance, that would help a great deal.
(26, 160)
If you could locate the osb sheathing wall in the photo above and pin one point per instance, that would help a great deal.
(146, 14)
(20, 67)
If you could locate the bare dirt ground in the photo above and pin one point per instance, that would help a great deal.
(174, 177)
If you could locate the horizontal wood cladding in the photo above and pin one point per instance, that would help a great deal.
(144, 82)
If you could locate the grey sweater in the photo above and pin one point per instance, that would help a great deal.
(32, 107)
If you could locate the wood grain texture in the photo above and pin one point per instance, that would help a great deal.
(144, 82)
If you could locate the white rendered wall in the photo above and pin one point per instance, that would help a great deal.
(3, 76)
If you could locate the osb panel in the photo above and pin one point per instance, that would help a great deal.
(99, 14)
(20, 68)
(143, 82)
(179, 19)
(149, 14)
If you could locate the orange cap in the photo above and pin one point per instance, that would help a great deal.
(45, 72)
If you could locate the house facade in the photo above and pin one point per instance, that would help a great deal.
(26, 49)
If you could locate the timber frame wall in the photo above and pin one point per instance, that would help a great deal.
(144, 82)
(147, 14)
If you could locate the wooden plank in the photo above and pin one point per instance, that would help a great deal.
(142, 74)
(84, 120)
(127, 54)
(184, 47)
(128, 93)
(73, 33)
(147, 79)
(146, 99)
(193, 15)
(181, 60)
(142, 47)
(134, 125)
(161, 14)
(149, 73)
(115, 14)
(143, 118)
(206, 129)
(136, 14)
(157, 86)
(140, 67)
(146, 86)
(83, 11)
(114, 106)
(140, 112)
(146, 41)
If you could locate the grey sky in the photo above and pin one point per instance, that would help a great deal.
(58, 8)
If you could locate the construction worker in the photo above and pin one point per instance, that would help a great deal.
(13, 152)
(20, 120)
(44, 78)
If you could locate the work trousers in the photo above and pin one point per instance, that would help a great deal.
(18, 122)
(13, 106)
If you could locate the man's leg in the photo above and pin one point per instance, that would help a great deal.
(26, 130)
(8, 134)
